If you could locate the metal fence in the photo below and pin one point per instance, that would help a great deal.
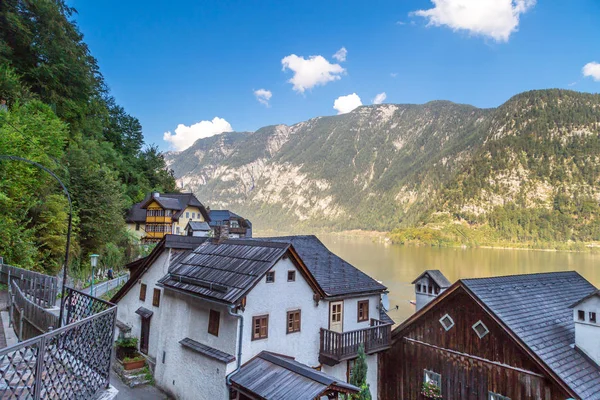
(42, 289)
(72, 362)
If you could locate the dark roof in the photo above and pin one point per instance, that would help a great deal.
(437, 276)
(207, 350)
(384, 317)
(175, 242)
(535, 307)
(225, 270)
(335, 276)
(171, 201)
(144, 312)
(596, 293)
(218, 216)
(275, 377)
(136, 214)
(198, 226)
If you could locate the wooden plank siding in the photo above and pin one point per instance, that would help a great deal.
(470, 367)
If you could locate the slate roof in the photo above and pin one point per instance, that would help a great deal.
(275, 377)
(218, 216)
(335, 276)
(207, 350)
(144, 312)
(198, 226)
(171, 201)
(384, 317)
(437, 276)
(136, 214)
(596, 293)
(535, 307)
(225, 270)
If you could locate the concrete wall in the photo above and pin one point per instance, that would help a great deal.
(587, 334)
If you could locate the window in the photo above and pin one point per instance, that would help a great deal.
(592, 317)
(431, 376)
(234, 224)
(291, 276)
(214, 317)
(293, 321)
(178, 230)
(187, 215)
(437, 290)
(260, 327)
(350, 367)
(418, 287)
(480, 329)
(363, 311)
(193, 215)
(430, 289)
(496, 396)
(581, 315)
(137, 226)
(447, 322)
(270, 276)
(156, 298)
(143, 292)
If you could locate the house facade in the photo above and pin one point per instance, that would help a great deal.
(161, 214)
(237, 226)
(512, 337)
(226, 302)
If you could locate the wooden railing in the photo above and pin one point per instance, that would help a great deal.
(40, 289)
(336, 347)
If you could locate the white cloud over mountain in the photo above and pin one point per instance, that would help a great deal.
(185, 136)
(497, 19)
(311, 72)
(263, 96)
(592, 70)
(380, 98)
(345, 104)
(341, 54)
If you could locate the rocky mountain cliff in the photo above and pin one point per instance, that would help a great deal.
(387, 166)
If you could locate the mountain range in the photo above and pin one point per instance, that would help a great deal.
(525, 171)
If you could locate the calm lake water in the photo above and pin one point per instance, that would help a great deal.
(396, 266)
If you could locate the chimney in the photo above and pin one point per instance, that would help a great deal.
(429, 285)
(586, 315)
(221, 232)
(155, 195)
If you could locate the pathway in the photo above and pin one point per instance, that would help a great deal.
(144, 392)
(102, 288)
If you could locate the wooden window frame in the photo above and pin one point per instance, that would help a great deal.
(287, 321)
(593, 317)
(156, 297)
(358, 305)
(581, 315)
(480, 323)
(429, 376)
(272, 274)
(292, 275)
(447, 327)
(214, 321)
(260, 317)
(143, 288)
(341, 303)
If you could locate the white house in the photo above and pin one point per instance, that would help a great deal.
(429, 285)
(285, 303)
(586, 315)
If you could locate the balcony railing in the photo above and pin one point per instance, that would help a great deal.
(337, 347)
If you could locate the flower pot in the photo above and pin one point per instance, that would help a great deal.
(129, 365)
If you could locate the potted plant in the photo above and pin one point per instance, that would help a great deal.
(135, 362)
(126, 347)
(431, 390)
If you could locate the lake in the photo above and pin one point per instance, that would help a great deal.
(397, 266)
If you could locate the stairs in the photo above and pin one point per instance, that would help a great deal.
(134, 377)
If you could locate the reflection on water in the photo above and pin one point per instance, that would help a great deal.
(397, 266)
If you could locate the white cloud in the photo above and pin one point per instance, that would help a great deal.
(400, 23)
(497, 19)
(394, 74)
(341, 54)
(311, 72)
(263, 96)
(185, 136)
(592, 70)
(380, 98)
(345, 104)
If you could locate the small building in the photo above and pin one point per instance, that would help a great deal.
(197, 228)
(430, 284)
(238, 227)
(160, 214)
(508, 337)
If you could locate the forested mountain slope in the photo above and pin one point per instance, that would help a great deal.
(61, 115)
(405, 166)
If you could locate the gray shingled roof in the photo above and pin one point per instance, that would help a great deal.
(335, 276)
(276, 377)
(207, 350)
(535, 307)
(198, 226)
(437, 276)
(136, 214)
(223, 271)
(172, 201)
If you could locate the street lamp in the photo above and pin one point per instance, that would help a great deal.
(94, 262)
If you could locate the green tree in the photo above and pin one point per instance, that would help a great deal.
(359, 376)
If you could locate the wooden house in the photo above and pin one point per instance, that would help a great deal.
(509, 337)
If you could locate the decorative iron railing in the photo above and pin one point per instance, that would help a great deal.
(71, 362)
(336, 346)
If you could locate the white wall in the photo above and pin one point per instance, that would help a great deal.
(131, 302)
(587, 334)
(422, 297)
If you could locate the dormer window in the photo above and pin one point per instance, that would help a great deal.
(447, 322)
(592, 317)
(480, 329)
(581, 315)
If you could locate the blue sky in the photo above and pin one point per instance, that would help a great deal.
(183, 62)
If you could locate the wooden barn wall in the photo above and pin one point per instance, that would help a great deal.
(402, 367)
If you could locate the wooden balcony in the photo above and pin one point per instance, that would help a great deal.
(337, 347)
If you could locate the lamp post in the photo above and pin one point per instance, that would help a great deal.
(94, 262)
(64, 188)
